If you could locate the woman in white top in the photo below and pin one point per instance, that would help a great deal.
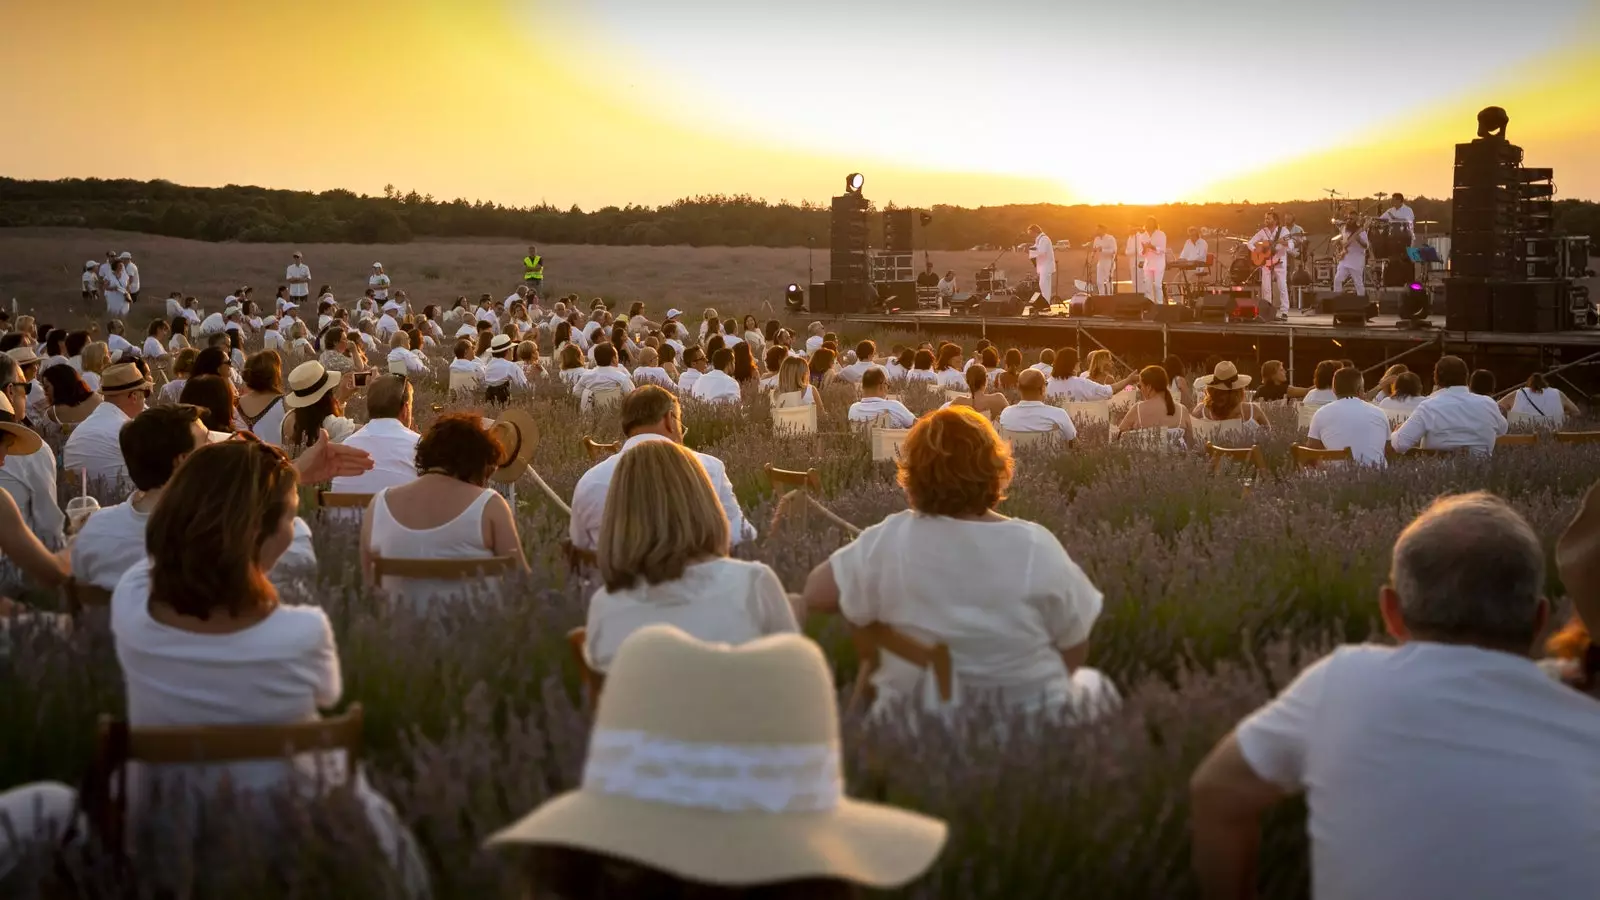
(1067, 384)
(1156, 410)
(1404, 395)
(1012, 606)
(952, 377)
(794, 387)
(447, 513)
(1223, 401)
(155, 342)
(572, 370)
(922, 369)
(180, 335)
(316, 401)
(1536, 398)
(663, 556)
(709, 323)
(203, 640)
(260, 409)
(96, 356)
(753, 337)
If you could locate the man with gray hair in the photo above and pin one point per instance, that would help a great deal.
(1447, 766)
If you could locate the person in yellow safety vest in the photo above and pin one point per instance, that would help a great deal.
(533, 266)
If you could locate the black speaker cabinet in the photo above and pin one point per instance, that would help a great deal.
(1351, 309)
(1173, 313)
(897, 230)
(1005, 305)
(898, 294)
(1131, 306)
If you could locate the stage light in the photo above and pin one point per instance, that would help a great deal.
(853, 183)
(794, 298)
(1415, 307)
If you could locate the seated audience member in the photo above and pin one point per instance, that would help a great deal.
(605, 375)
(260, 408)
(774, 363)
(214, 396)
(1482, 382)
(921, 370)
(92, 447)
(340, 353)
(1047, 362)
(1011, 371)
(1404, 394)
(694, 365)
(1350, 422)
(1452, 417)
(70, 398)
(948, 368)
(744, 364)
(716, 385)
(650, 413)
(214, 361)
(316, 405)
(1013, 607)
(1223, 401)
(990, 404)
(649, 370)
(466, 362)
(899, 362)
(1385, 385)
(1322, 383)
(1067, 384)
(182, 368)
(619, 836)
(30, 478)
(875, 402)
(1031, 415)
(1538, 399)
(1181, 387)
(19, 545)
(814, 337)
(663, 558)
(822, 367)
(203, 640)
(527, 360)
(96, 356)
(112, 540)
(402, 360)
(572, 370)
(1488, 764)
(794, 386)
(387, 437)
(155, 342)
(866, 358)
(500, 374)
(1102, 368)
(449, 511)
(1156, 410)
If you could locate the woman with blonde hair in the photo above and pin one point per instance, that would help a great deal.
(182, 368)
(663, 556)
(528, 360)
(978, 396)
(709, 323)
(572, 370)
(794, 386)
(28, 327)
(1156, 410)
(1012, 606)
(1102, 367)
(96, 356)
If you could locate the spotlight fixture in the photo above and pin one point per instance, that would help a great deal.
(1415, 307)
(853, 183)
(794, 298)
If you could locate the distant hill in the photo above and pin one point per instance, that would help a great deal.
(253, 214)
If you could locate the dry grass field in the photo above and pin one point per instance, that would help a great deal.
(40, 267)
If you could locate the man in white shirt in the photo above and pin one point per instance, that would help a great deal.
(93, 446)
(499, 371)
(947, 288)
(521, 293)
(1452, 417)
(130, 272)
(1047, 362)
(1031, 415)
(694, 364)
(485, 312)
(1104, 248)
(1398, 211)
(386, 326)
(650, 413)
(1272, 238)
(814, 341)
(1195, 248)
(605, 372)
(1351, 422)
(378, 282)
(1043, 254)
(1153, 256)
(298, 277)
(1352, 257)
(875, 402)
(1487, 766)
(387, 437)
(121, 349)
(866, 358)
(716, 385)
(1130, 249)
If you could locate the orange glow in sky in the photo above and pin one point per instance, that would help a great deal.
(623, 101)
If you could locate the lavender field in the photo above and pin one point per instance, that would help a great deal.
(1214, 598)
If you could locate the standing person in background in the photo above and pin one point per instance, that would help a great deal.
(1130, 249)
(1352, 256)
(1153, 254)
(378, 282)
(533, 270)
(130, 272)
(1104, 250)
(298, 276)
(91, 284)
(1043, 254)
(1272, 238)
(114, 284)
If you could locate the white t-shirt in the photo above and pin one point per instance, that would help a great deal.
(299, 270)
(1545, 404)
(1077, 389)
(1403, 214)
(95, 447)
(1434, 770)
(853, 372)
(1354, 423)
(715, 387)
(1319, 397)
(1034, 416)
(1006, 605)
(380, 286)
(1394, 404)
(112, 541)
(723, 601)
(589, 497)
(687, 379)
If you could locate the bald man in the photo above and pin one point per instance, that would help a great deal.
(1031, 415)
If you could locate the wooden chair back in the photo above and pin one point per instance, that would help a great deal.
(578, 559)
(875, 639)
(598, 451)
(784, 480)
(1308, 458)
(1250, 456)
(1515, 440)
(342, 500)
(795, 419)
(1578, 437)
(593, 682)
(442, 569)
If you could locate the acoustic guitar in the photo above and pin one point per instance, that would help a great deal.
(1261, 252)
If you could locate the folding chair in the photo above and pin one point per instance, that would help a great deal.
(795, 420)
(598, 451)
(873, 640)
(605, 398)
(808, 480)
(593, 682)
(1309, 458)
(1578, 437)
(886, 442)
(463, 381)
(578, 559)
(1249, 456)
(80, 595)
(1019, 439)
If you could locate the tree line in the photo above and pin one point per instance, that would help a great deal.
(254, 214)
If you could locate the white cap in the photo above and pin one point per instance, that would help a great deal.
(673, 313)
(230, 311)
(125, 255)
(377, 265)
(91, 264)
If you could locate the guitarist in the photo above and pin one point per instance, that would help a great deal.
(1352, 256)
(1269, 250)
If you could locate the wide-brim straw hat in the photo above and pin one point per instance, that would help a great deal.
(1225, 377)
(122, 378)
(20, 439)
(721, 765)
(519, 435)
(23, 356)
(308, 383)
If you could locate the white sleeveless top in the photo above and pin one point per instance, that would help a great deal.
(794, 398)
(459, 538)
(1545, 404)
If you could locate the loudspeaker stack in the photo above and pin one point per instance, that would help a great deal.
(897, 230)
(848, 252)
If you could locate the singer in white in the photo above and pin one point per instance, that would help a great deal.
(1043, 255)
(1153, 254)
(1104, 248)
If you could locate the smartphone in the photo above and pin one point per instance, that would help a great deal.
(362, 378)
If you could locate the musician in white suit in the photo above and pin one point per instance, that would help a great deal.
(1352, 257)
(1153, 256)
(1043, 254)
(1130, 249)
(1104, 248)
(1276, 269)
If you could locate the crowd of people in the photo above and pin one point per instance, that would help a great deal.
(702, 653)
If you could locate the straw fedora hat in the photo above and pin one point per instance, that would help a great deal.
(19, 439)
(122, 378)
(308, 383)
(23, 356)
(721, 764)
(1225, 377)
(500, 344)
(519, 434)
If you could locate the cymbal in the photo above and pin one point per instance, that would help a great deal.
(1427, 222)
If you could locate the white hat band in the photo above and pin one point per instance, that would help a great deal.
(770, 778)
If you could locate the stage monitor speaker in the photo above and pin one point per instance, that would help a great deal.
(1006, 305)
(1351, 309)
(1214, 308)
(1096, 305)
(816, 295)
(897, 230)
(1173, 313)
(1131, 306)
(897, 294)
(827, 299)
(853, 297)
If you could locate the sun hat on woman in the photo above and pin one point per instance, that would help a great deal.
(519, 435)
(308, 383)
(1225, 377)
(721, 765)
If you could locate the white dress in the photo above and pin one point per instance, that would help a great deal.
(459, 538)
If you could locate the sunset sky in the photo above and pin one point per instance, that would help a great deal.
(619, 101)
